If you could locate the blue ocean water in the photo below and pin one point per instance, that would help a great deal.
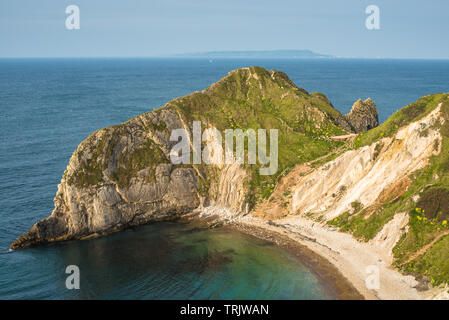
(48, 106)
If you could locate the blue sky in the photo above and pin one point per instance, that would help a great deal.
(408, 29)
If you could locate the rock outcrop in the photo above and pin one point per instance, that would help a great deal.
(363, 116)
(118, 177)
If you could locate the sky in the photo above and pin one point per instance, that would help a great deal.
(145, 28)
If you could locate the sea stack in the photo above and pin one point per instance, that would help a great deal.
(363, 115)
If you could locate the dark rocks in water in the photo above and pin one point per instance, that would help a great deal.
(50, 229)
(363, 116)
(212, 260)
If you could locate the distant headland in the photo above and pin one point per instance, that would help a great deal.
(255, 54)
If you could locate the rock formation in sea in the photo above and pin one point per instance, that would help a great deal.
(363, 116)
(384, 183)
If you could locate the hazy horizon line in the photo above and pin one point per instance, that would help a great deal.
(203, 55)
(219, 58)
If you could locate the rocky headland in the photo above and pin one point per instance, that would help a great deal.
(356, 192)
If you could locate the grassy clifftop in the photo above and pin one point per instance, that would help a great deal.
(257, 98)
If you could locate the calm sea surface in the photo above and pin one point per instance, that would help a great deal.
(48, 106)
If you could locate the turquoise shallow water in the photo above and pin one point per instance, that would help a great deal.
(163, 261)
(48, 106)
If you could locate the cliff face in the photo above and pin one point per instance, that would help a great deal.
(121, 176)
(363, 176)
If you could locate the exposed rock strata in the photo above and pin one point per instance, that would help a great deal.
(361, 175)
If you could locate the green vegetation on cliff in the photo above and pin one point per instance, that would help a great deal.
(255, 98)
(100, 150)
(249, 98)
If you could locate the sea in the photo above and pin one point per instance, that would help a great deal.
(48, 106)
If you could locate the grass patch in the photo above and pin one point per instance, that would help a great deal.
(148, 155)
(434, 263)
(90, 171)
